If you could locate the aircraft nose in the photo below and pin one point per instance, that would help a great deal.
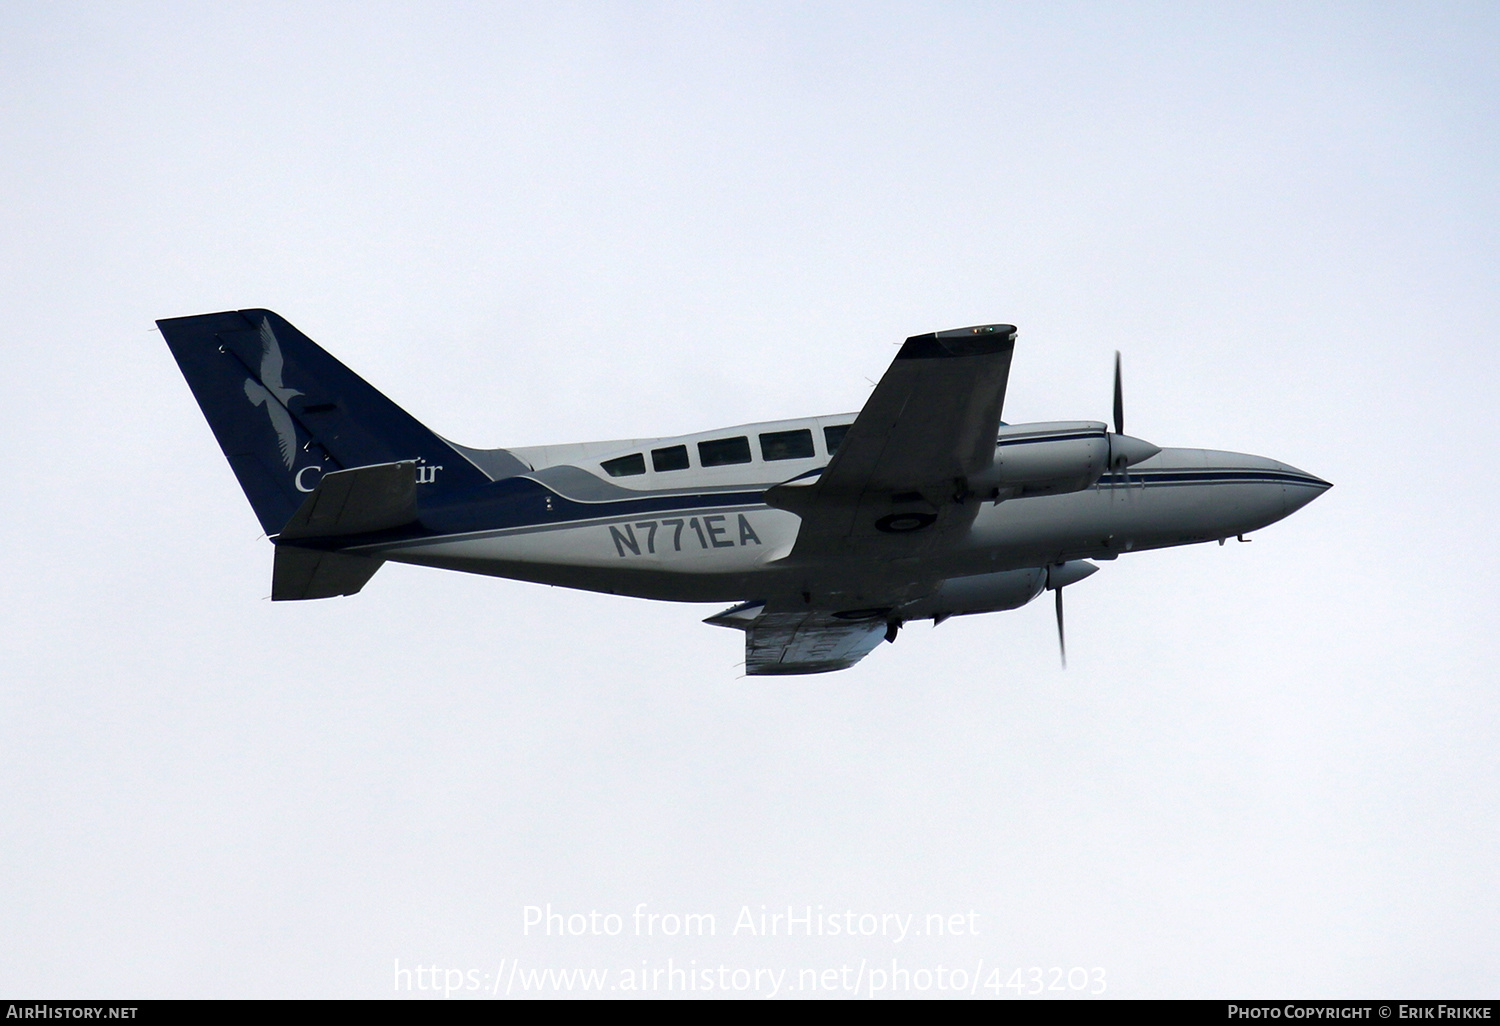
(1299, 487)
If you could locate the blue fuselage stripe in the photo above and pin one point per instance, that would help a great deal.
(524, 503)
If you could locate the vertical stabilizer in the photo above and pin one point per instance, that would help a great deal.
(286, 413)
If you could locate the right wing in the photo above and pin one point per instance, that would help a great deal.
(890, 490)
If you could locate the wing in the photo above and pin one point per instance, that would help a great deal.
(898, 483)
(801, 641)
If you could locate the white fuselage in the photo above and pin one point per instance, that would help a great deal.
(614, 517)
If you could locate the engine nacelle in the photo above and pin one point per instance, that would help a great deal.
(982, 593)
(1056, 457)
(994, 593)
(1048, 459)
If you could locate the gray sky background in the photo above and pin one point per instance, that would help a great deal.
(1271, 769)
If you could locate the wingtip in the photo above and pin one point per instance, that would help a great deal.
(978, 340)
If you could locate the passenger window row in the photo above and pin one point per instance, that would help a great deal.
(724, 452)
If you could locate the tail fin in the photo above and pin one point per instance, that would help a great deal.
(286, 413)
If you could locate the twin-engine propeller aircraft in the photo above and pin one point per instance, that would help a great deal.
(828, 533)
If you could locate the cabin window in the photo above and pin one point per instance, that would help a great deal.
(786, 445)
(723, 451)
(834, 436)
(625, 466)
(671, 458)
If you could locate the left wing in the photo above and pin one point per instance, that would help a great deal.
(801, 641)
(899, 481)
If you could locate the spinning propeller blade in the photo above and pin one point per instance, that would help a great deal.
(1062, 644)
(1119, 398)
(1125, 451)
(1117, 463)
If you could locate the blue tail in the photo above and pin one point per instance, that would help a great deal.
(286, 413)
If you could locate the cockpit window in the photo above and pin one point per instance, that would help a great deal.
(786, 445)
(834, 436)
(671, 458)
(625, 466)
(724, 451)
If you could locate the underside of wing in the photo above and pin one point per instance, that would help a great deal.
(801, 641)
(898, 483)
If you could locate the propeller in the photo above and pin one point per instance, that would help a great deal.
(1125, 451)
(1062, 644)
(1119, 398)
(1117, 464)
(1059, 576)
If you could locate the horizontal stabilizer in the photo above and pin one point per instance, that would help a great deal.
(357, 501)
(310, 574)
(346, 502)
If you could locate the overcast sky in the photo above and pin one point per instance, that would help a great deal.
(1270, 769)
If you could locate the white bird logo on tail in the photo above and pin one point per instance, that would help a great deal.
(273, 394)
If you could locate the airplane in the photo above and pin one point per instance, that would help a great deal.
(826, 534)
